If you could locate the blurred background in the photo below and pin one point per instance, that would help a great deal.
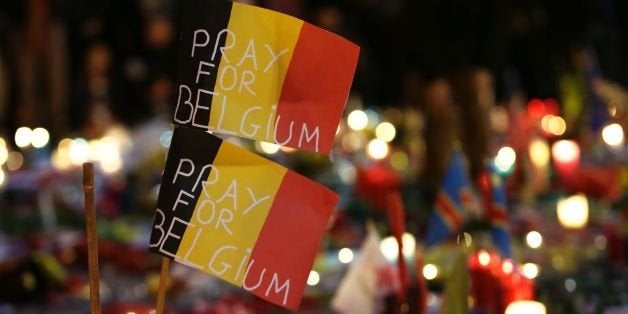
(528, 93)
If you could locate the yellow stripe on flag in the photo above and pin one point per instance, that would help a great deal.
(230, 213)
(257, 54)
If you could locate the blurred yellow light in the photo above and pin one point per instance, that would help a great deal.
(409, 244)
(530, 270)
(558, 262)
(313, 278)
(385, 131)
(565, 151)
(430, 271)
(545, 122)
(534, 239)
(267, 148)
(23, 136)
(111, 165)
(15, 161)
(525, 307)
(399, 161)
(79, 151)
(505, 158)
(357, 120)
(507, 267)
(539, 152)
(354, 141)
(484, 258)
(377, 149)
(557, 126)
(287, 149)
(4, 154)
(61, 156)
(40, 137)
(499, 119)
(345, 255)
(61, 160)
(2, 177)
(613, 134)
(390, 249)
(573, 211)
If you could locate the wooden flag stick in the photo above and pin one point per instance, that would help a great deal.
(163, 285)
(92, 239)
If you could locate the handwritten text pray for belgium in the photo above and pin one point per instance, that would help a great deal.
(206, 216)
(192, 106)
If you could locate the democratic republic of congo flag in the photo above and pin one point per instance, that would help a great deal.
(239, 216)
(494, 194)
(260, 74)
(453, 200)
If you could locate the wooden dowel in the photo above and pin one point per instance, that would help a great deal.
(163, 285)
(92, 239)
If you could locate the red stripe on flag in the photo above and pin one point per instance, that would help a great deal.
(466, 199)
(290, 238)
(315, 88)
(448, 211)
(496, 213)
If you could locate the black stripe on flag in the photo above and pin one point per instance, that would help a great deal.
(190, 151)
(201, 24)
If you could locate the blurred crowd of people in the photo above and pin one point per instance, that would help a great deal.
(74, 66)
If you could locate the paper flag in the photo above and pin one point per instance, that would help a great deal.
(260, 74)
(239, 216)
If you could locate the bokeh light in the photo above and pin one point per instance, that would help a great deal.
(530, 270)
(525, 307)
(539, 152)
(385, 131)
(566, 151)
(40, 137)
(570, 285)
(399, 161)
(4, 152)
(613, 134)
(345, 255)
(390, 249)
(377, 149)
(573, 211)
(430, 271)
(15, 160)
(507, 266)
(484, 258)
(313, 278)
(23, 136)
(556, 126)
(505, 159)
(534, 239)
(267, 148)
(357, 120)
(61, 155)
(79, 151)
